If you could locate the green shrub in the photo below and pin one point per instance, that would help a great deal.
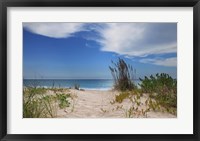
(169, 100)
(160, 84)
(63, 102)
(162, 87)
(122, 75)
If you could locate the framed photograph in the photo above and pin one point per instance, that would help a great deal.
(101, 70)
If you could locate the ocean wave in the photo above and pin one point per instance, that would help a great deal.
(100, 89)
(85, 88)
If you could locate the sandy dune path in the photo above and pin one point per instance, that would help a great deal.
(89, 104)
(97, 104)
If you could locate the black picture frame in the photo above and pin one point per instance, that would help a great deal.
(98, 3)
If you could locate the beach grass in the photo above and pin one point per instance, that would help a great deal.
(122, 74)
(38, 104)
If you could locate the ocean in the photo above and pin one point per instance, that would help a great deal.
(87, 84)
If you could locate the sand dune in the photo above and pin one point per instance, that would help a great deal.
(98, 104)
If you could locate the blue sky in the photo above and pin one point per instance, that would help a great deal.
(85, 50)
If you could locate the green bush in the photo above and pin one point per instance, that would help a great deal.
(162, 87)
(122, 75)
(160, 84)
(63, 102)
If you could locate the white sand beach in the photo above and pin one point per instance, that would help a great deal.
(98, 104)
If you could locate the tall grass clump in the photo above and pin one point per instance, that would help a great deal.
(122, 74)
(37, 104)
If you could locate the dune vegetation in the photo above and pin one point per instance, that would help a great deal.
(122, 75)
(160, 89)
(37, 103)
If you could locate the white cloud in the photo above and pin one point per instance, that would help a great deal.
(54, 30)
(168, 62)
(130, 39)
(118, 37)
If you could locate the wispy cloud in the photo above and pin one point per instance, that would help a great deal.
(168, 62)
(54, 30)
(135, 39)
